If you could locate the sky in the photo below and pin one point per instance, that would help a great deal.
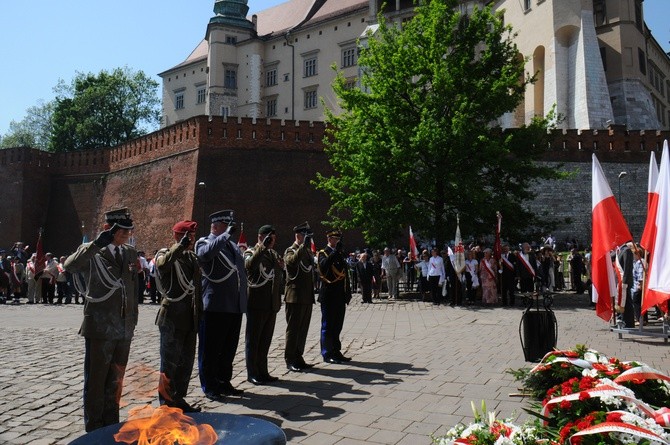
(42, 41)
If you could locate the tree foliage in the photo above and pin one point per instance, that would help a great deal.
(33, 131)
(417, 143)
(103, 110)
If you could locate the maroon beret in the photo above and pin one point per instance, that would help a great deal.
(185, 226)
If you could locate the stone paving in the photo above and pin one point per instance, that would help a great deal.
(416, 368)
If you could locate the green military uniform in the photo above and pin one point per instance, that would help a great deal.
(178, 281)
(265, 286)
(299, 298)
(109, 283)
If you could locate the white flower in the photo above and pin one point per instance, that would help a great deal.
(591, 357)
(471, 429)
(502, 440)
(589, 373)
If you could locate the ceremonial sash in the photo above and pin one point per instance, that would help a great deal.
(526, 264)
(508, 264)
(490, 271)
(619, 427)
(621, 293)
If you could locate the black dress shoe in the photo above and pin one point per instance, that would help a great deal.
(294, 368)
(186, 408)
(229, 390)
(269, 378)
(304, 365)
(343, 358)
(214, 396)
(255, 381)
(332, 360)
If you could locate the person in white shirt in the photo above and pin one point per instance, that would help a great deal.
(422, 268)
(436, 275)
(391, 271)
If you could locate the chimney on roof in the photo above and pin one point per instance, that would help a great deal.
(254, 20)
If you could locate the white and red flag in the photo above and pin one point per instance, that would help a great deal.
(649, 232)
(242, 241)
(413, 251)
(658, 283)
(609, 231)
(459, 254)
(40, 258)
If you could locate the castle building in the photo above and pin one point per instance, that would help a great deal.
(594, 59)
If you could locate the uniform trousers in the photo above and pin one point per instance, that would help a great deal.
(508, 286)
(177, 348)
(260, 327)
(104, 366)
(298, 317)
(332, 319)
(219, 336)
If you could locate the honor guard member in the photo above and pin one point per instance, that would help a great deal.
(299, 296)
(178, 281)
(224, 296)
(108, 281)
(264, 272)
(334, 295)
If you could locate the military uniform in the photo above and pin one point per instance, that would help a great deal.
(224, 296)
(109, 283)
(334, 295)
(265, 287)
(299, 298)
(178, 280)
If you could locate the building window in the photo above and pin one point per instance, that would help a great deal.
(638, 14)
(225, 111)
(642, 60)
(311, 99)
(271, 77)
(350, 84)
(526, 5)
(599, 12)
(201, 96)
(230, 81)
(179, 101)
(348, 57)
(271, 107)
(231, 40)
(310, 67)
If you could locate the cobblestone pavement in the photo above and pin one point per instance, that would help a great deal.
(415, 369)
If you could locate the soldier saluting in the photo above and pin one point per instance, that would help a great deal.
(334, 295)
(299, 296)
(178, 280)
(109, 269)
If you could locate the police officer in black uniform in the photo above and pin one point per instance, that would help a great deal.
(334, 295)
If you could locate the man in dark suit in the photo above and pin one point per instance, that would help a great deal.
(576, 271)
(526, 268)
(224, 297)
(178, 281)
(109, 269)
(299, 296)
(508, 275)
(334, 295)
(365, 274)
(264, 271)
(624, 261)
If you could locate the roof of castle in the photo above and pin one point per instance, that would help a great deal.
(284, 17)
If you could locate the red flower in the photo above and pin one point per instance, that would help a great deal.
(600, 367)
(583, 395)
(572, 354)
(565, 404)
(614, 417)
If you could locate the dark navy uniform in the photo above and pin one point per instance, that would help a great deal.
(224, 296)
(334, 295)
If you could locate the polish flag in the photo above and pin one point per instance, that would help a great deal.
(609, 231)
(459, 254)
(242, 241)
(313, 247)
(658, 286)
(413, 251)
(652, 202)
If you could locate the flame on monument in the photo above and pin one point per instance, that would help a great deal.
(163, 426)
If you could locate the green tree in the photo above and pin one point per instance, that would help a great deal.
(104, 110)
(417, 143)
(33, 131)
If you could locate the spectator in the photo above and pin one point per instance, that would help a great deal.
(410, 271)
(436, 275)
(390, 271)
(376, 274)
(471, 276)
(61, 283)
(365, 274)
(48, 279)
(422, 272)
(488, 276)
(31, 283)
(576, 271)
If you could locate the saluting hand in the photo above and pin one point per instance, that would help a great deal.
(105, 238)
(185, 241)
(267, 240)
(232, 227)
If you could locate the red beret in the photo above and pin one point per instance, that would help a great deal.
(185, 226)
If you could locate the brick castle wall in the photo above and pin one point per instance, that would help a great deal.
(261, 169)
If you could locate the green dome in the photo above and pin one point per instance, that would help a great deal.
(231, 12)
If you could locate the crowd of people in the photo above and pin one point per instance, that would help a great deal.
(205, 286)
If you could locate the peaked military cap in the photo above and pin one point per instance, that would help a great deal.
(266, 230)
(120, 217)
(302, 228)
(225, 216)
(185, 226)
(334, 232)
